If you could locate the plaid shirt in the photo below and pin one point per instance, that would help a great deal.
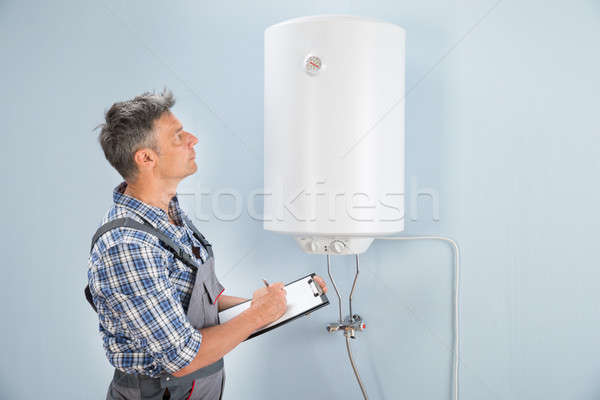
(142, 291)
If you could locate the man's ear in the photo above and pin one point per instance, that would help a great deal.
(145, 158)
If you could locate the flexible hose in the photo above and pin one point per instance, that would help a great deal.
(362, 388)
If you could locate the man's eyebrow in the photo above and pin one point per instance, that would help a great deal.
(179, 129)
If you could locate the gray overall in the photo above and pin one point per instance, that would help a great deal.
(206, 383)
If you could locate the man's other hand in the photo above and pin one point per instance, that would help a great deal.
(321, 283)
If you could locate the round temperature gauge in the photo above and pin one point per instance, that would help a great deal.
(312, 65)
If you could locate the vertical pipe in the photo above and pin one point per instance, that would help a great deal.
(335, 287)
(352, 292)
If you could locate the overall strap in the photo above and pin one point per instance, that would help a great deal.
(125, 222)
(199, 236)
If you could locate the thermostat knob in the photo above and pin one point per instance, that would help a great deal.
(337, 246)
(312, 246)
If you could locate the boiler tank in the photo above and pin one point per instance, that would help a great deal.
(334, 131)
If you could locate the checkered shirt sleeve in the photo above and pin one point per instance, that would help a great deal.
(134, 281)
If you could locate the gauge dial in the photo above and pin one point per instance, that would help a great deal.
(312, 65)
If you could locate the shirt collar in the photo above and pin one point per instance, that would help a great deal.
(154, 215)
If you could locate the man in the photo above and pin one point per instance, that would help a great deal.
(152, 278)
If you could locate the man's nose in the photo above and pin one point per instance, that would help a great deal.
(193, 140)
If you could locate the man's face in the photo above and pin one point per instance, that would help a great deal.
(176, 158)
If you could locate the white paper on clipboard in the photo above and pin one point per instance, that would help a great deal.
(303, 296)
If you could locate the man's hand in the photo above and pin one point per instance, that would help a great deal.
(321, 283)
(260, 292)
(271, 305)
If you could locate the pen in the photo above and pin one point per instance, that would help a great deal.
(266, 283)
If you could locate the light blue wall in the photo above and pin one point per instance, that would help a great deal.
(502, 122)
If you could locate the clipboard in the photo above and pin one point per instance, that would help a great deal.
(304, 296)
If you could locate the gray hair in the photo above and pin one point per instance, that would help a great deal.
(129, 127)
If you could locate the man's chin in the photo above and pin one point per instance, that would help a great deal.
(194, 167)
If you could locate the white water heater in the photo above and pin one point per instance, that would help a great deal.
(334, 131)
